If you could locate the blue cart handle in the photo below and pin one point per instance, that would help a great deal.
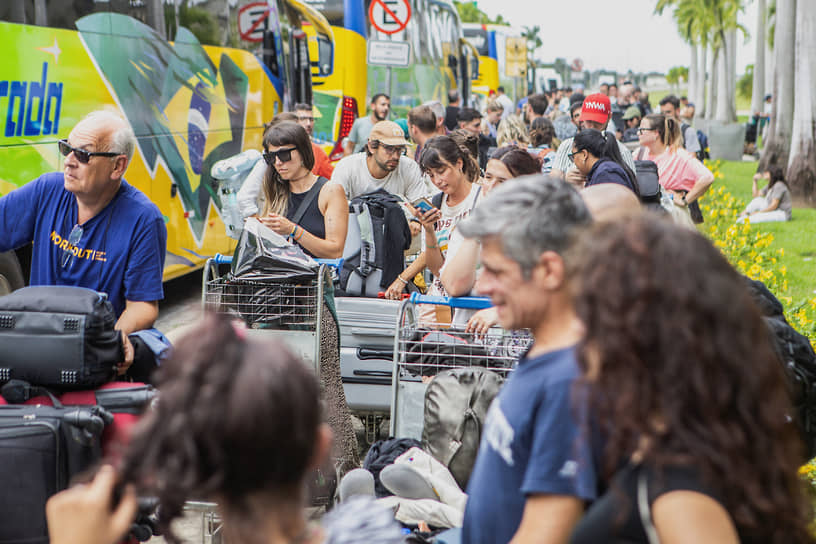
(222, 259)
(470, 303)
(337, 264)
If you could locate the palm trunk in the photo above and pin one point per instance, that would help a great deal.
(758, 92)
(40, 13)
(769, 63)
(701, 82)
(692, 79)
(713, 75)
(802, 164)
(777, 148)
(726, 80)
(155, 17)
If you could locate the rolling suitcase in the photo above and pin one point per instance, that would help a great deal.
(46, 440)
(367, 328)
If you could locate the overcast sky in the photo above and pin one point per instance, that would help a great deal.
(611, 34)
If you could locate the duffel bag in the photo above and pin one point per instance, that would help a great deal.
(59, 337)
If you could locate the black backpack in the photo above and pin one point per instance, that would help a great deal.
(797, 355)
(648, 185)
(383, 453)
(377, 238)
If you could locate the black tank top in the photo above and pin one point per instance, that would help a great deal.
(312, 220)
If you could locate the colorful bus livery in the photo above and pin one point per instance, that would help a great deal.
(189, 105)
(33, 107)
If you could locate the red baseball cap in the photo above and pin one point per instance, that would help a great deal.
(596, 108)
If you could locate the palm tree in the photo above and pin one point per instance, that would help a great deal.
(777, 146)
(533, 37)
(694, 22)
(758, 92)
(802, 163)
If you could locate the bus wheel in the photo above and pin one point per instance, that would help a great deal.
(11, 276)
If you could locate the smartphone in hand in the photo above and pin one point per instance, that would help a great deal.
(422, 204)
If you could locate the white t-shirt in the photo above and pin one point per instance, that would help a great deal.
(405, 180)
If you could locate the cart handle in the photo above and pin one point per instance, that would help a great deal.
(227, 259)
(337, 264)
(471, 303)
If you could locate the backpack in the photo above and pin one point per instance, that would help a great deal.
(648, 182)
(702, 154)
(798, 357)
(456, 404)
(377, 238)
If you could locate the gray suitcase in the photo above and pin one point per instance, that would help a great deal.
(367, 327)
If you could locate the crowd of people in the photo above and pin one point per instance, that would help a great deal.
(647, 409)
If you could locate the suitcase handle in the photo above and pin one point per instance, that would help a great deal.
(367, 354)
(470, 303)
(337, 264)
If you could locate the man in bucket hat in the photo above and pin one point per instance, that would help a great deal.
(595, 113)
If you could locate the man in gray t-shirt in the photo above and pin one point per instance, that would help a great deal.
(358, 137)
(383, 166)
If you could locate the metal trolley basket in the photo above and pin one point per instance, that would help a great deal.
(291, 311)
(423, 349)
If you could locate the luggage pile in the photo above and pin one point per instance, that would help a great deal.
(60, 411)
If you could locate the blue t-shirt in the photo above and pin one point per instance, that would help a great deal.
(121, 250)
(608, 171)
(531, 444)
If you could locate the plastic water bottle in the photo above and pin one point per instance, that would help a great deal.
(227, 168)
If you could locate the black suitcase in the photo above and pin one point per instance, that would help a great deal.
(59, 337)
(41, 449)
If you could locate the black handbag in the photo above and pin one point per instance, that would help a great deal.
(59, 337)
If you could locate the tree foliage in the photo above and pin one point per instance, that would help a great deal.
(469, 12)
(677, 75)
(745, 84)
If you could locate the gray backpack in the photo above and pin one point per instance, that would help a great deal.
(456, 404)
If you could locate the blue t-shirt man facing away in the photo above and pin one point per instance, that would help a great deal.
(532, 444)
(120, 252)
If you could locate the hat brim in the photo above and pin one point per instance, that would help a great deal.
(593, 116)
(391, 140)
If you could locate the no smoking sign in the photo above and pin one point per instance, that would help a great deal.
(389, 16)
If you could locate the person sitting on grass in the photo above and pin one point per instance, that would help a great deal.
(771, 203)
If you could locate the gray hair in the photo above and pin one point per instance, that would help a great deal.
(436, 107)
(529, 215)
(122, 139)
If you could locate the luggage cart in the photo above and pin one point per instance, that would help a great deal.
(291, 312)
(422, 350)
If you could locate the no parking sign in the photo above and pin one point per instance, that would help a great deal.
(389, 16)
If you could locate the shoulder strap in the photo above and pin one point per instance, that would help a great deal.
(641, 153)
(643, 507)
(310, 196)
(436, 200)
(476, 197)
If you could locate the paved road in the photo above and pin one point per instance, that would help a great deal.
(181, 305)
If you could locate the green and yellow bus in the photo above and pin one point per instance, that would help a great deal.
(191, 102)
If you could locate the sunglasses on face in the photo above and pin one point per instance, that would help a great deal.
(641, 130)
(394, 149)
(82, 155)
(73, 240)
(284, 155)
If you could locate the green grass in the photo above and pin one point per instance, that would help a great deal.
(795, 236)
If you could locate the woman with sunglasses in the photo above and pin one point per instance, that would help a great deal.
(684, 177)
(596, 156)
(310, 210)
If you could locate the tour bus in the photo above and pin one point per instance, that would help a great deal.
(340, 96)
(484, 40)
(440, 60)
(191, 101)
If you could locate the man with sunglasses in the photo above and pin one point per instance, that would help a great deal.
(384, 165)
(595, 113)
(90, 228)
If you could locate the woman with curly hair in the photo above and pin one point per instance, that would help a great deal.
(239, 423)
(689, 392)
